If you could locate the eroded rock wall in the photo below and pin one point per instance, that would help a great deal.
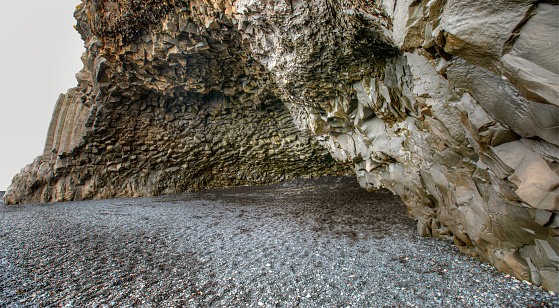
(453, 105)
(459, 117)
(175, 107)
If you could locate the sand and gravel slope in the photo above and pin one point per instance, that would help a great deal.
(304, 243)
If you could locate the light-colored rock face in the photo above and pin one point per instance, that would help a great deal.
(453, 105)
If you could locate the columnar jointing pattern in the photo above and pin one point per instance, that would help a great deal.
(168, 107)
(453, 105)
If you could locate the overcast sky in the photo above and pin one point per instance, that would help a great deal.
(40, 55)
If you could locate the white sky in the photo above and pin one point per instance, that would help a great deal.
(39, 57)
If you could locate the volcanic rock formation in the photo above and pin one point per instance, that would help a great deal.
(452, 105)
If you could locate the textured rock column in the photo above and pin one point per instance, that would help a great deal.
(167, 102)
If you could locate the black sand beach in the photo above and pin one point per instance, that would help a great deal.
(306, 243)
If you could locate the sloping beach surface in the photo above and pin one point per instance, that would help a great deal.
(306, 243)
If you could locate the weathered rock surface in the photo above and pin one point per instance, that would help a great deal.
(165, 111)
(452, 105)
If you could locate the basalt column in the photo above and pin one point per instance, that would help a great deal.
(163, 106)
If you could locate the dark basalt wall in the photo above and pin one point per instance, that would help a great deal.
(452, 105)
(162, 110)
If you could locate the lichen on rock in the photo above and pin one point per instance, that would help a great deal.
(452, 105)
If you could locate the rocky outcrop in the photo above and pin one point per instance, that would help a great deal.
(175, 108)
(452, 105)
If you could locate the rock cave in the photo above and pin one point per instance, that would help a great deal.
(451, 105)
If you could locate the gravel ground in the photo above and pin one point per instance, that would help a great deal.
(305, 243)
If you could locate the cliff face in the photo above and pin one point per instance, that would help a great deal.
(162, 110)
(453, 105)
